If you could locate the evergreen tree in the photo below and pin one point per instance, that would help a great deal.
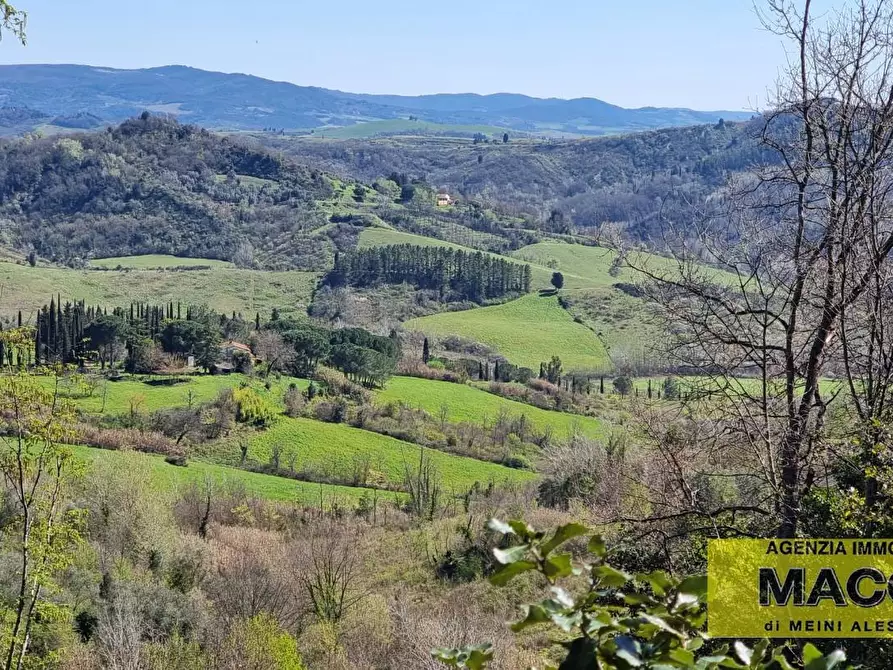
(426, 352)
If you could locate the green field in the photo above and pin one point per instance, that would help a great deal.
(527, 331)
(407, 127)
(117, 397)
(468, 404)
(379, 237)
(591, 264)
(166, 477)
(223, 289)
(337, 450)
(153, 261)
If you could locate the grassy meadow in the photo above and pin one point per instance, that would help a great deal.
(330, 449)
(468, 404)
(153, 262)
(527, 331)
(589, 266)
(140, 394)
(223, 289)
(168, 478)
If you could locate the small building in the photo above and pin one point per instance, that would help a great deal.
(230, 352)
(228, 349)
(444, 200)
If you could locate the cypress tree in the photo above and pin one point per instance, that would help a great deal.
(426, 352)
(601, 385)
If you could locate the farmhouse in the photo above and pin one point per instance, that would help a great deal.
(444, 200)
(230, 352)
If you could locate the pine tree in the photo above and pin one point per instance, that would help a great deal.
(426, 352)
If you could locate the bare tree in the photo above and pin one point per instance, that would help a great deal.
(331, 571)
(272, 350)
(800, 240)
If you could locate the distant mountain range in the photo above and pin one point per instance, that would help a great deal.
(81, 95)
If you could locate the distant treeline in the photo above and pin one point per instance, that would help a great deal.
(454, 273)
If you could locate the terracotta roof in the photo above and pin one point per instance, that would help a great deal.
(236, 345)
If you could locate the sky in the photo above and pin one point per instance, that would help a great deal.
(702, 54)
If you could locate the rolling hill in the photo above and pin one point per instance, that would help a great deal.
(527, 331)
(239, 101)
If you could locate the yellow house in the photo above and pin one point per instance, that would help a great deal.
(444, 200)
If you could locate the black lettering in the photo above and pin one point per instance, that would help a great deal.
(771, 588)
(852, 587)
(826, 587)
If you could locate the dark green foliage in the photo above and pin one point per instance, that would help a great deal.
(557, 280)
(455, 274)
(623, 385)
(551, 371)
(670, 388)
(151, 186)
(193, 338)
(632, 180)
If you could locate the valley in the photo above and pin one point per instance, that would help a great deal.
(297, 378)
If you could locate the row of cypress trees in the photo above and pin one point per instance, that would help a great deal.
(465, 275)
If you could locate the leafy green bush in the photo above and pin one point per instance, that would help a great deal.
(620, 621)
(252, 408)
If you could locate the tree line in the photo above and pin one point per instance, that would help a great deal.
(453, 273)
(140, 335)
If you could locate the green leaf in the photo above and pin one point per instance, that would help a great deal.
(638, 599)
(657, 580)
(533, 615)
(610, 577)
(512, 554)
(558, 566)
(813, 659)
(473, 657)
(597, 546)
(562, 534)
(695, 585)
(782, 661)
(810, 653)
(683, 656)
(657, 622)
(506, 573)
(522, 529)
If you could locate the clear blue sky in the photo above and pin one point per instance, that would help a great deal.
(705, 54)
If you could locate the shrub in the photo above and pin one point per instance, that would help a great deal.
(330, 411)
(336, 383)
(623, 385)
(252, 408)
(125, 438)
(293, 401)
